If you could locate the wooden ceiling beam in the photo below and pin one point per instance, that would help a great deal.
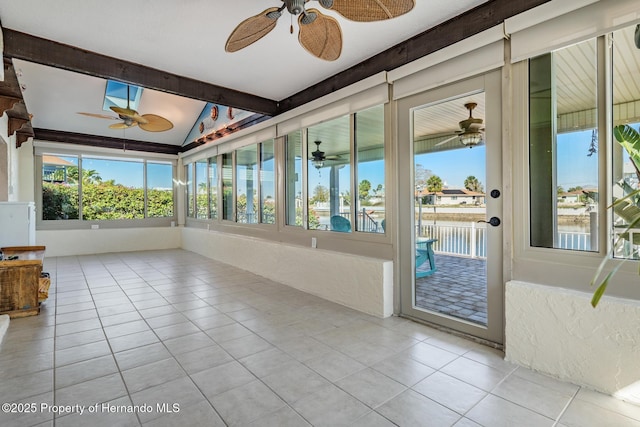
(12, 104)
(48, 135)
(15, 124)
(47, 52)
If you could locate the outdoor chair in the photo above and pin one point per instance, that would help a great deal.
(340, 223)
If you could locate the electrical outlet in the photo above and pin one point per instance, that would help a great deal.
(314, 242)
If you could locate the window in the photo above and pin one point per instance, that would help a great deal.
(246, 184)
(563, 154)
(202, 195)
(191, 203)
(626, 162)
(97, 188)
(329, 175)
(370, 203)
(60, 189)
(343, 177)
(213, 188)
(227, 187)
(159, 190)
(267, 183)
(293, 177)
(572, 101)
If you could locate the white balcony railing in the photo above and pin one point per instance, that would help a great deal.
(470, 239)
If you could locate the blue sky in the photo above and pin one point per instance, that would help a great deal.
(575, 168)
(129, 173)
(454, 166)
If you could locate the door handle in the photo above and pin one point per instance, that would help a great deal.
(494, 221)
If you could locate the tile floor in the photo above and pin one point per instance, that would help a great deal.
(124, 333)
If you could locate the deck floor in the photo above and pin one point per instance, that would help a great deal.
(458, 288)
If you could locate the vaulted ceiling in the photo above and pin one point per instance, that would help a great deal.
(63, 53)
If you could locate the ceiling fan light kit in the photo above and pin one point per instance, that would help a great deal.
(319, 34)
(472, 134)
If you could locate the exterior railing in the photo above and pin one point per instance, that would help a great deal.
(470, 240)
(574, 241)
(464, 240)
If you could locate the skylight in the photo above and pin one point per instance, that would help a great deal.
(116, 95)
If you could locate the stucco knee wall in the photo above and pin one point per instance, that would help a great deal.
(361, 283)
(106, 240)
(556, 331)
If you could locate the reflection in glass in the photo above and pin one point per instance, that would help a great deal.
(563, 155)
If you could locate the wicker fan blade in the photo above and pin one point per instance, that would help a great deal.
(322, 38)
(128, 112)
(155, 123)
(251, 30)
(122, 125)
(372, 10)
(99, 116)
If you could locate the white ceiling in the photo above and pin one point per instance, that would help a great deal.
(187, 38)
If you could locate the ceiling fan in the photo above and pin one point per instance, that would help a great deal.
(318, 157)
(131, 118)
(319, 34)
(471, 132)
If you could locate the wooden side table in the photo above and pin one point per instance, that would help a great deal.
(20, 279)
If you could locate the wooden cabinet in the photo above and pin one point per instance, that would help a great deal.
(20, 280)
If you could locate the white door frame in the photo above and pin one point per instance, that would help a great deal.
(491, 84)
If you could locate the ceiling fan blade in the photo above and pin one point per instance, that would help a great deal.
(446, 140)
(322, 38)
(251, 30)
(372, 10)
(99, 116)
(155, 123)
(122, 125)
(128, 112)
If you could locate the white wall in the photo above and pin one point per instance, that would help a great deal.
(85, 242)
(23, 177)
(556, 331)
(362, 283)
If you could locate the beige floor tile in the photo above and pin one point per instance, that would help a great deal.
(371, 387)
(294, 381)
(495, 411)
(450, 392)
(413, 409)
(246, 403)
(330, 406)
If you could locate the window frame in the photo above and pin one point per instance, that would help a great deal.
(72, 224)
(553, 266)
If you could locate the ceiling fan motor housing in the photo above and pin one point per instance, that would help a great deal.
(295, 7)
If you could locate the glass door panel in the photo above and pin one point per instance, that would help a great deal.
(451, 256)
